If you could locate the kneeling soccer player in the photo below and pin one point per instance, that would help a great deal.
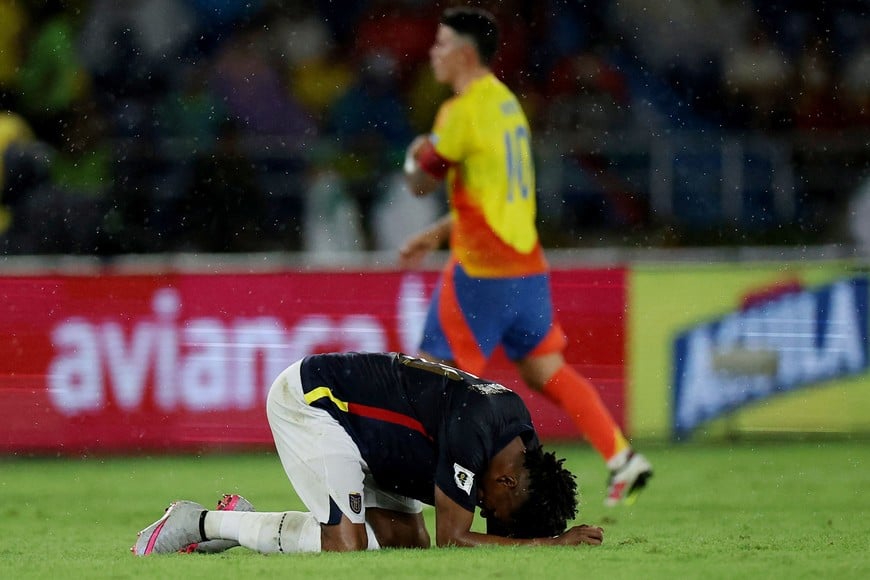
(366, 439)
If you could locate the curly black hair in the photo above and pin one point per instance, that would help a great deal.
(552, 500)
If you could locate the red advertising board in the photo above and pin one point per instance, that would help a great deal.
(183, 361)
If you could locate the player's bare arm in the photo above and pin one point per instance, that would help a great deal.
(453, 528)
(421, 244)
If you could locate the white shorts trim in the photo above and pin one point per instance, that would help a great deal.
(320, 458)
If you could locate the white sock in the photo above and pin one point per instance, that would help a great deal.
(266, 532)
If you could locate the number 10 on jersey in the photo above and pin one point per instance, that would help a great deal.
(519, 162)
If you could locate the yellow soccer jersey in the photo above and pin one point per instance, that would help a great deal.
(485, 136)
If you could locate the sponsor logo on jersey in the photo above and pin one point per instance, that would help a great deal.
(464, 478)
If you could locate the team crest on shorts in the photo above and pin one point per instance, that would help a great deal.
(355, 501)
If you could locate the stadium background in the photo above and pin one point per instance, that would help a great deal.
(680, 147)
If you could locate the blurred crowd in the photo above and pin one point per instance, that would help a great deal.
(253, 125)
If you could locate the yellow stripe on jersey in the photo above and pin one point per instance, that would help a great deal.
(484, 132)
(321, 392)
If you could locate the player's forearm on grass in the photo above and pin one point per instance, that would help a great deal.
(574, 536)
(453, 528)
(471, 539)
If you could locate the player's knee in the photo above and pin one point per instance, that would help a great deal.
(537, 370)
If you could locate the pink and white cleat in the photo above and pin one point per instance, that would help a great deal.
(180, 526)
(625, 483)
(229, 502)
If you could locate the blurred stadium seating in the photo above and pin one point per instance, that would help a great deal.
(194, 125)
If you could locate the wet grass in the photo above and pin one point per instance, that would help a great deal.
(763, 509)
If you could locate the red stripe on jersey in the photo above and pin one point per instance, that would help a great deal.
(387, 416)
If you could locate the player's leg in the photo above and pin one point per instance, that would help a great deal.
(265, 532)
(555, 379)
(322, 462)
(466, 320)
(288, 532)
(398, 530)
(536, 342)
(397, 520)
(330, 485)
(559, 382)
(299, 432)
(390, 520)
(185, 523)
(345, 536)
(228, 502)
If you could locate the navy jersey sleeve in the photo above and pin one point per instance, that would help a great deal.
(462, 459)
(484, 419)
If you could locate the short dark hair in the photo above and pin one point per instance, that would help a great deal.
(476, 23)
(552, 500)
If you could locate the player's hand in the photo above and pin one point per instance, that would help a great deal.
(582, 534)
(416, 248)
(411, 152)
(418, 181)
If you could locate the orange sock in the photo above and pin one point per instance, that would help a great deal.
(578, 397)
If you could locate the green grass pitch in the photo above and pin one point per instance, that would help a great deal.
(794, 509)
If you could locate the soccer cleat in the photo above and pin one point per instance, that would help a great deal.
(179, 527)
(230, 503)
(625, 483)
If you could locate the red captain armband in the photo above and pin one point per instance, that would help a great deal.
(431, 162)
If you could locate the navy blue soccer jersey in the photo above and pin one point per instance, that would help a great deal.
(417, 424)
